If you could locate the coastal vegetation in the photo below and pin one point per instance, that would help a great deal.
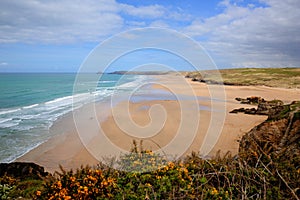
(192, 178)
(272, 77)
(250, 176)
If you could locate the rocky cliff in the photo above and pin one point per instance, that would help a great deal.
(278, 138)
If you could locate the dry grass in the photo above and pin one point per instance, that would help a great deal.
(272, 77)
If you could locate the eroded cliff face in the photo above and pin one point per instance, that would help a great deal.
(276, 138)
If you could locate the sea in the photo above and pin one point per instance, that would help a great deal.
(31, 102)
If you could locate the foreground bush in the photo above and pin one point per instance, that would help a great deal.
(252, 175)
(192, 178)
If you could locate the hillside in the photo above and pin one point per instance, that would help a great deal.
(272, 77)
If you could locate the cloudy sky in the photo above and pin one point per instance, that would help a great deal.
(57, 35)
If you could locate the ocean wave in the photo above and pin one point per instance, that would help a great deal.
(10, 124)
(60, 100)
(127, 85)
(24, 117)
(2, 120)
(31, 106)
(107, 81)
(23, 127)
(3, 112)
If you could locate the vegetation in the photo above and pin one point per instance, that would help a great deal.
(273, 77)
(251, 175)
(12, 188)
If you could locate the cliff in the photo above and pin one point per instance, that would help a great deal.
(278, 138)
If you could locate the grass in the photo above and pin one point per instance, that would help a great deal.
(251, 175)
(272, 77)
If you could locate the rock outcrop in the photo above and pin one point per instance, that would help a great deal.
(278, 137)
(270, 108)
(251, 100)
(22, 170)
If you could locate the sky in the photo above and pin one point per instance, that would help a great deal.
(58, 35)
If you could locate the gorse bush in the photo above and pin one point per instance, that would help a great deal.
(251, 175)
(140, 160)
(245, 177)
(85, 183)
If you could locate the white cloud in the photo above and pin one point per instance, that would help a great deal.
(58, 21)
(152, 11)
(155, 12)
(69, 21)
(264, 35)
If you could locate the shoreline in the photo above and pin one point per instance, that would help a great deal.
(66, 147)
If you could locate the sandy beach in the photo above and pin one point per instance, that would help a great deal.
(79, 139)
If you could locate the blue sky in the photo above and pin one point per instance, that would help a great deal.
(57, 36)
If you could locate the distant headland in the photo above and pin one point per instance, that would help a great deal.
(141, 72)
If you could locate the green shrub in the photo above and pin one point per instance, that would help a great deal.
(253, 175)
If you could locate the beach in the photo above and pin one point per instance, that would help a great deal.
(79, 136)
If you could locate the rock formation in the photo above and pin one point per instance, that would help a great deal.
(21, 170)
(278, 137)
(264, 107)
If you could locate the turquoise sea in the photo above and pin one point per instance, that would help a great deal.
(30, 103)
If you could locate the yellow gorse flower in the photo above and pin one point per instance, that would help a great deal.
(149, 152)
(72, 178)
(38, 193)
(148, 185)
(58, 185)
(85, 189)
(104, 183)
(171, 165)
(110, 180)
(214, 191)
